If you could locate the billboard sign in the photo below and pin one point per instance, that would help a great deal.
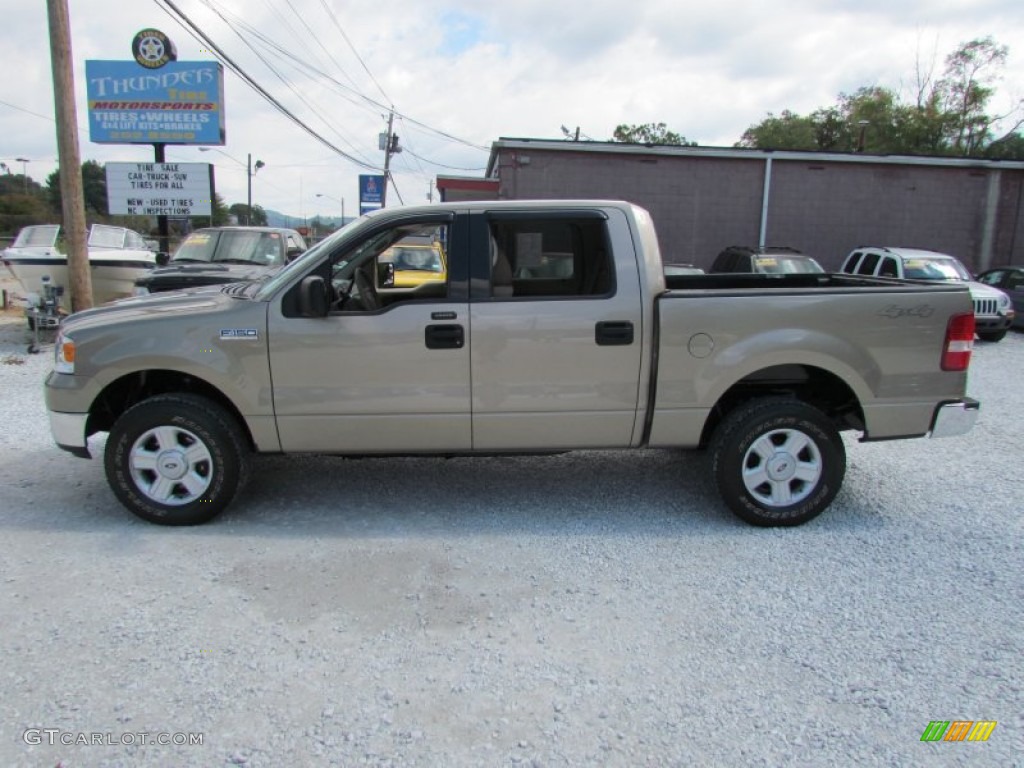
(159, 189)
(182, 102)
(371, 190)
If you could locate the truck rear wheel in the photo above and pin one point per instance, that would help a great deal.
(778, 462)
(176, 459)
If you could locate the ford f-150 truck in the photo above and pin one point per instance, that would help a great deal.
(555, 329)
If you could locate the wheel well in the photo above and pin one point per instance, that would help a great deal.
(814, 386)
(123, 393)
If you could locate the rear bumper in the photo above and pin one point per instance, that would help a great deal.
(957, 418)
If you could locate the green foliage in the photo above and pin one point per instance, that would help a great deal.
(950, 115)
(94, 191)
(650, 133)
(257, 218)
(221, 215)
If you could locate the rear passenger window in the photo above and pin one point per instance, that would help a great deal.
(850, 265)
(888, 268)
(868, 264)
(550, 258)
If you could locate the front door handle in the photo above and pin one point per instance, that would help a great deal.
(614, 333)
(444, 337)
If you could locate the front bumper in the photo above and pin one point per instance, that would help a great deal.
(993, 322)
(68, 430)
(957, 418)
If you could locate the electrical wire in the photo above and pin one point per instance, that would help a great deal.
(287, 83)
(442, 165)
(194, 30)
(341, 31)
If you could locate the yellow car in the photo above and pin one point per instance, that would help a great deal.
(416, 264)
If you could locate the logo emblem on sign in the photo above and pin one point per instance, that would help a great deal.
(152, 49)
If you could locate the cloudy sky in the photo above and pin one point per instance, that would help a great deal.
(460, 74)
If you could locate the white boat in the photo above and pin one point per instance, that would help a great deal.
(117, 257)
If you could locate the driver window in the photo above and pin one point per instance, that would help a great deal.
(405, 263)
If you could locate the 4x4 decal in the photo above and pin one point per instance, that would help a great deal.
(894, 312)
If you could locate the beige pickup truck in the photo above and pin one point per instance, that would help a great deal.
(555, 329)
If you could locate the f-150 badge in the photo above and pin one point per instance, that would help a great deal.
(233, 334)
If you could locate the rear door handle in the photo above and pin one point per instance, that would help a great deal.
(444, 337)
(613, 333)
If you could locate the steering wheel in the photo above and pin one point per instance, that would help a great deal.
(367, 293)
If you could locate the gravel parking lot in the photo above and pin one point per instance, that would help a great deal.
(584, 609)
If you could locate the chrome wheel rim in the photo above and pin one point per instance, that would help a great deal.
(171, 465)
(782, 468)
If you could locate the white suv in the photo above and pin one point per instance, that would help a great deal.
(993, 310)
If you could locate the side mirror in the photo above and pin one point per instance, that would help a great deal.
(162, 257)
(386, 275)
(313, 297)
(292, 254)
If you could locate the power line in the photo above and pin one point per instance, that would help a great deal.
(287, 83)
(442, 165)
(374, 105)
(330, 13)
(200, 35)
(27, 111)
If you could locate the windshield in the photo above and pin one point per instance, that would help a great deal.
(926, 268)
(103, 236)
(236, 247)
(42, 235)
(419, 258)
(787, 265)
(301, 264)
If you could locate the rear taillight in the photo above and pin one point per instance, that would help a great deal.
(956, 353)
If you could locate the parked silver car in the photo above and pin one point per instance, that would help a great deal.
(993, 310)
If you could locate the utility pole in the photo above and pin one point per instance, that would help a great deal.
(390, 148)
(72, 194)
(387, 160)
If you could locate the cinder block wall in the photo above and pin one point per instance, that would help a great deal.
(824, 208)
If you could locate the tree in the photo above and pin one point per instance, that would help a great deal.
(949, 115)
(94, 186)
(787, 131)
(966, 88)
(650, 133)
(221, 214)
(257, 217)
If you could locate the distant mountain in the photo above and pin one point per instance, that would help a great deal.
(278, 219)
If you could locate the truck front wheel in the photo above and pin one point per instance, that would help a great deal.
(176, 459)
(778, 462)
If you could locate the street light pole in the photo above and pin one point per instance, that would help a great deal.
(249, 171)
(24, 170)
(341, 200)
(248, 176)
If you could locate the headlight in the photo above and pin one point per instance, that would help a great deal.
(1004, 302)
(64, 354)
(140, 290)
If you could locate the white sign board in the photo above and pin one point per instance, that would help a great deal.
(159, 189)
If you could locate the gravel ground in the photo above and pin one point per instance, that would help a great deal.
(585, 609)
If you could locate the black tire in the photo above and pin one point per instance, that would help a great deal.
(204, 454)
(991, 335)
(802, 474)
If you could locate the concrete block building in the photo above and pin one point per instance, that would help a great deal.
(824, 204)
